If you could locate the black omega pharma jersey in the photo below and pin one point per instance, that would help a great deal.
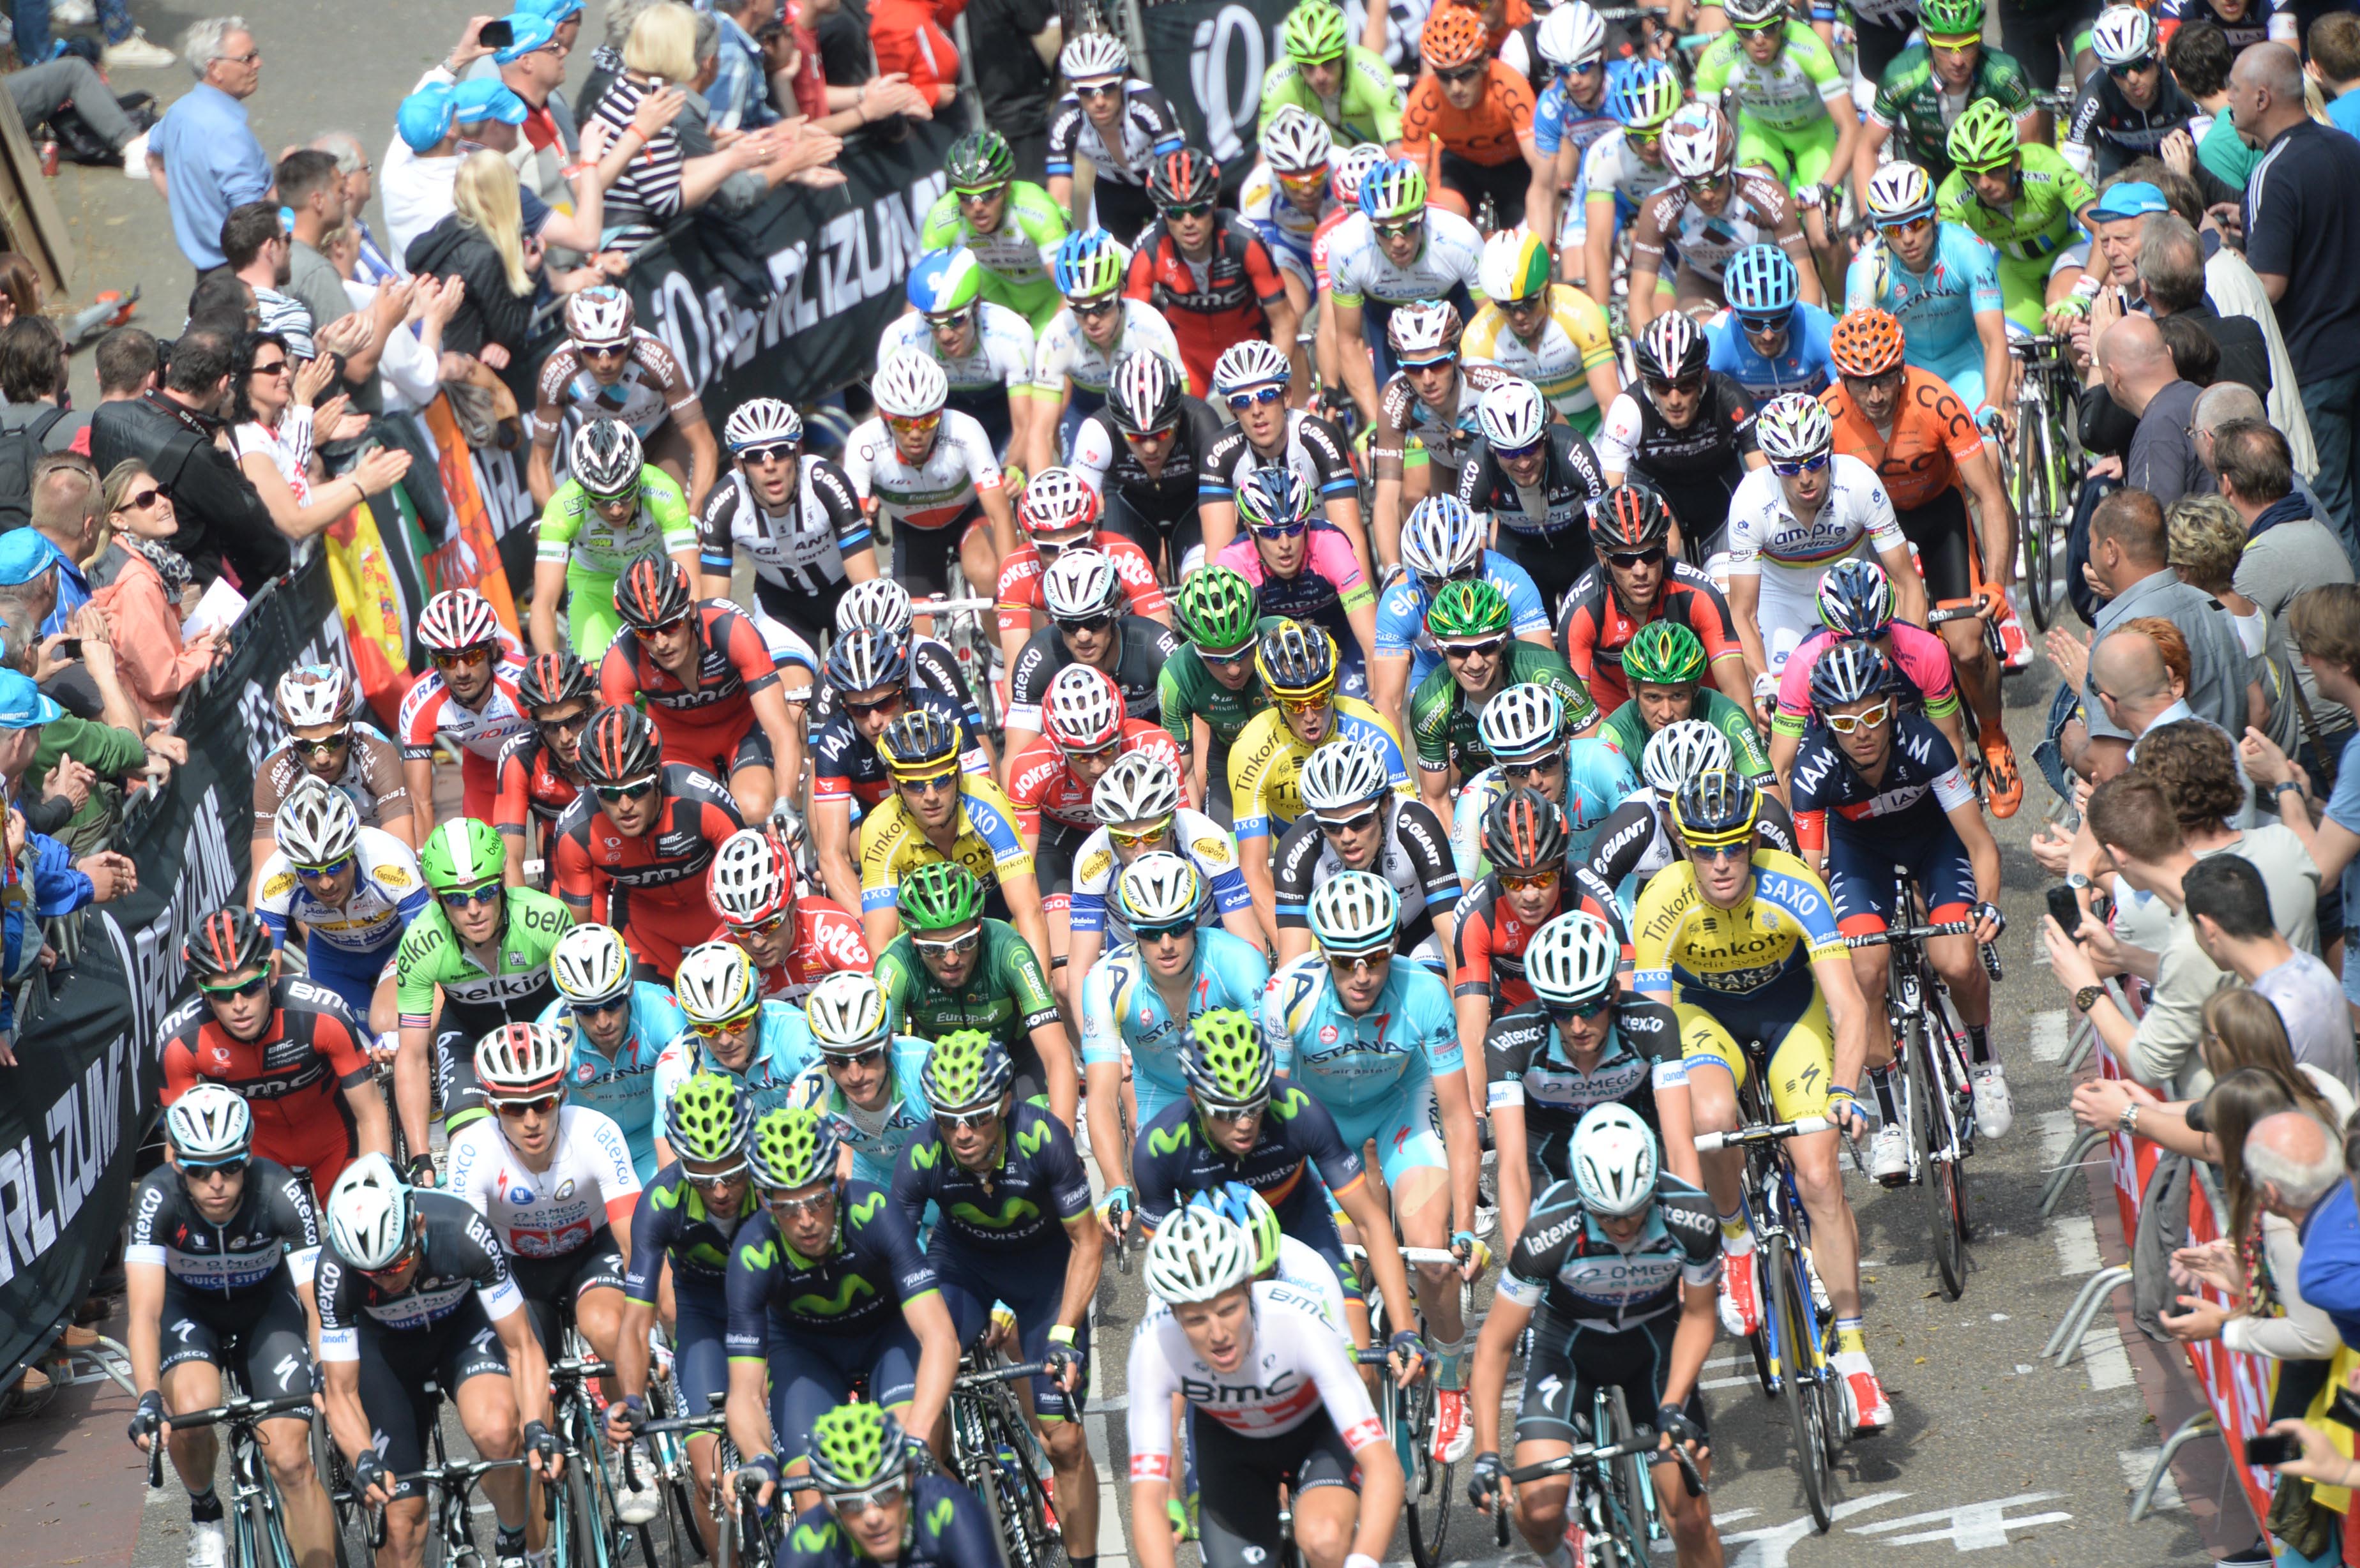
(460, 1255)
(1526, 1067)
(274, 1227)
(1564, 1258)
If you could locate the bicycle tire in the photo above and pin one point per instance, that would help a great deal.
(1627, 1490)
(2033, 507)
(1927, 1138)
(1782, 1274)
(351, 1516)
(1016, 1452)
(1428, 1488)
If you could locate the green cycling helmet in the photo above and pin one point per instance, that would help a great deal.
(462, 853)
(1983, 136)
(1217, 609)
(1950, 18)
(980, 160)
(790, 1147)
(1467, 607)
(967, 1068)
(857, 1448)
(1663, 653)
(1312, 32)
(707, 1119)
(940, 895)
(1223, 1061)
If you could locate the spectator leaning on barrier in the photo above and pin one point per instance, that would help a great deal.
(741, 94)
(2229, 909)
(37, 879)
(276, 433)
(143, 603)
(2171, 279)
(201, 154)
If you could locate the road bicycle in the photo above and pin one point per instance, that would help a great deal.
(996, 1454)
(256, 1515)
(1409, 1414)
(963, 621)
(667, 1438)
(1615, 1510)
(586, 1531)
(2042, 469)
(449, 1482)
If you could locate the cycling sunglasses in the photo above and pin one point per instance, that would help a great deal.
(1463, 76)
(932, 783)
(1765, 326)
(713, 1180)
(762, 456)
(1714, 852)
(948, 321)
(1234, 656)
(333, 868)
(1098, 89)
(950, 947)
(235, 1165)
(572, 724)
(1906, 225)
(978, 198)
(1138, 838)
(326, 744)
(1801, 466)
(1687, 385)
(604, 350)
(730, 1026)
(1094, 307)
(1581, 1011)
(1190, 210)
(1213, 1113)
(885, 1497)
(1278, 530)
(487, 893)
(1443, 361)
(598, 1009)
(1304, 705)
(1331, 826)
(1519, 454)
(877, 706)
(1098, 622)
(1631, 559)
(919, 425)
(1866, 719)
(615, 792)
(1402, 229)
(402, 1260)
(1483, 649)
(967, 1121)
(1244, 400)
(759, 928)
(538, 1106)
(795, 1208)
(1172, 931)
(1553, 763)
(459, 658)
(866, 1056)
(2129, 68)
(1528, 881)
(1143, 436)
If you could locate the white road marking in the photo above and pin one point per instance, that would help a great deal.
(2076, 1239)
(2107, 1364)
(1972, 1526)
(2049, 1036)
(1769, 1548)
(2057, 1131)
(2137, 1464)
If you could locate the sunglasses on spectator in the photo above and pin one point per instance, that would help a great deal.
(460, 658)
(141, 500)
(1401, 230)
(948, 947)
(486, 894)
(223, 993)
(1866, 719)
(233, 1166)
(1800, 465)
(922, 424)
(967, 1121)
(1098, 307)
(877, 706)
(761, 456)
(276, 367)
(1098, 622)
(326, 744)
(538, 1106)
(1629, 559)
(1463, 76)
(1483, 649)
(1135, 838)
(1277, 530)
(1243, 401)
(728, 1026)
(333, 868)
(613, 793)
(1581, 1011)
(1527, 881)
(1189, 210)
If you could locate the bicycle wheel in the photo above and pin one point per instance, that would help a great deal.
(1428, 1488)
(2035, 503)
(353, 1527)
(1793, 1363)
(1930, 1145)
(1630, 1514)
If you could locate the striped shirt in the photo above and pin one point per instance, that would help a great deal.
(648, 194)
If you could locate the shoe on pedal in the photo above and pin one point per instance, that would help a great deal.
(1994, 1109)
(1454, 1435)
(208, 1547)
(1740, 1293)
(1888, 1155)
(641, 1503)
(1864, 1400)
(2006, 779)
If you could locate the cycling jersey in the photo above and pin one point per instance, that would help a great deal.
(1147, 128)
(2106, 131)
(1612, 171)
(1009, 1215)
(430, 711)
(653, 386)
(1526, 1065)
(1210, 303)
(388, 893)
(238, 1260)
(1411, 434)
(1792, 92)
(1367, 108)
(783, 1048)
(1919, 660)
(651, 887)
(1627, 729)
(620, 1086)
(998, 365)
(1019, 593)
(1558, 121)
(1296, 1369)
(1866, 829)
(1696, 467)
(1802, 363)
(844, 766)
(876, 1137)
(1573, 342)
(2036, 233)
(1173, 1158)
(797, 554)
(458, 1256)
(294, 1076)
(1314, 449)
(1443, 721)
(1124, 1014)
(2261, 20)
(1766, 540)
(827, 940)
(476, 1001)
(1543, 528)
(1287, 229)
(1633, 842)
(589, 1183)
(372, 781)
(872, 1271)
(1064, 353)
(1495, 132)
(1354, 1062)
(933, 668)
(1932, 434)
(1139, 658)
(1937, 308)
(1401, 611)
(1446, 264)
(1164, 500)
(948, 1529)
(1758, 211)
(932, 493)
(1266, 758)
(1566, 1259)
(1195, 838)
(1006, 994)
(1918, 107)
(533, 783)
(1413, 856)
(1019, 257)
(1597, 775)
(573, 532)
(673, 1224)
(1779, 926)
(1324, 590)
(701, 724)
(1185, 690)
(1487, 947)
(984, 839)
(1594, 627)
(1041, 784)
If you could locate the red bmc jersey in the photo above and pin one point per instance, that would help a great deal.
(531, 782)
(1019, 580)
(734, 664)
(652, 887)
(294, 1076)
(1209, 309)
(1592, 629)
(1041, 784)
(1488, 942)
(829, 939)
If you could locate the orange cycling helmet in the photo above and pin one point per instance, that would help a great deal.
(1453, 37)
(1866, 343)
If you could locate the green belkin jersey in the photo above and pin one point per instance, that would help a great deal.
(1910, 99)
(1186, 689)
(1016, 256)
(1629, 731)
(2039, 224)
(1443, 726)
(1368, 108)
(1006, 995)
(518, 988)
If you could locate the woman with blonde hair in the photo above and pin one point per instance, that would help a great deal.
(143, 605)
(2242, 1030)
(483, 241)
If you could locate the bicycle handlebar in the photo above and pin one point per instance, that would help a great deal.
(1987, 950)
(1641, 1443)
(238, 1410)
(1954, 613)
(1000, 1374)
(1801, 1126)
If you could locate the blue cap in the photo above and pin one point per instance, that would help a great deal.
(486, 98)
(22, 706)
(532, 31)
(2131, 199)
(555, 10)
(425, 117)
(24, 554)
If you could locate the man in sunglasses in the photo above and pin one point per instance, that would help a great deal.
(1010, 225)
(617, 1028)
(1209, 271)
(1572, 115)
(1524, 729)
(793, 514)
(290, 1049)
(1926, 90)
(540, 772)
(1710, 210)
(1092, 622)
(353, 888)
(1304, 570)
(1353, 821)
(761, 1046)
(1427, 421)
(1636, 583)
(929, 471)
(1480, 660)
(864, 1077)
(1117, 124)
(469, 699)
(1136, 809)
(1442, 542)
(616, 508)
(1666, 665)
(1210, 680)
(1395, 250)
(1547, 332)
(795, 938)
(2027, 203)
(1769, 340)
(1619, 172)
(986, 349)
(1857, 602)
(1941, 284)
(608, 369)
(1142, 453)
(2128, 108)
(1686, 432)
(1079, 348)
(1250, 377)
(1536, 477)
(869, 677)
(325, 741)
(1480, 109)
(1058, 512)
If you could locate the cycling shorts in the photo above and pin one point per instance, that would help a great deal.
(1167, 544)
(1798, 157)
(591, 621)
(1053, 862)
(265, 1339)
(1571, 1360)
(1237, 1480)
(1789, 1011)
(987, 407)
(1964, 372)
(396, 1365)
(1789, 608)
(320, 1148)
(1507, 184)
(722, 749)
(658, 934)
(1033, 1288)
(1944, 536)
(2024, 285)
(551, 1285)
(811, 1373)
(2039, 34)
(352, 976)
(1405, 1125)
(1860, 875)
(700, 1360)
(921, 557)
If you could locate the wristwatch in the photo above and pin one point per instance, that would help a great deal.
(2076, 880)
(2128, 1121)
(2087, 998)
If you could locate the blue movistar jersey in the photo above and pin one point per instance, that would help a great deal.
(1122, 1008)
(623, 1086)
(1410, 1033)
(1801, 364)
(1597, 780)
(782, 1049)
(876, 1137)
(1937, 308)
(1401, 612)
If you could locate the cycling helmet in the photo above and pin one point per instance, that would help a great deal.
(1983, 136)
(1572, 959)
(1313, 31)
(1865, 344)
(1084, 709)
(317, 825)
(2123, 35)
(1244, 1208)
(618, 747)
(1569, 35)
(313, 694)
(1081, 583)
(606, 459)
(857, 1448)
(1951, 19)
(1215, 609)
(457, 619)
(1250, 364)
(1647, 95)
(1183, 178)
(1512, 415)
(1057, 502)
(1515, 264)
(1088, 264)
(369, 1214)
(943, 281)
(1297, 143)
(1195, 1254)
(1629, 518)
(1093, 55)
(918, 745)
(1613, 1159)
(878, 605)
(653, 592)
(1297, 661)
(1160, 889)
(1848, 672)
(521, 1061)
(966, 1069)
(1223, 1061)
(912, 385)
(848, 1014)
(753, 879)
(1663, 653)
(1699, 144)
(1342, 776)
(1715, 808)
(1524, 721)
(1523, 834)
(1678, 752)
(1393, 190)
(1760, 282)
(209, 1123)
(790, 1147)
(1898, 192)
(978, 161)
(599, 317)
(1137, 789)
(464, 853)
(1143, 394)
(1670, 348)
(715, 983)
(940, 895)
(1352, 170)
(1754, 13)
(1273, 498)
(707, 1118)
(1793, 427)
(1467, 607)
(1856, 598)
(590, 964)
(1424, 332)
(552, 680)
(866, 659)
(1442, 538)
(1453, 37)
(1354, 912)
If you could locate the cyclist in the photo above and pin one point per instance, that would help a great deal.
(353, 888)
(1117, 124)
(538, 772)
(1741, 943)
(1574, 113)
(1619, 1263)
(1639, 837)
(469, 699)
(1095, 327)
(1136, 807)
(617, 507)
(1353, 166)
(1206, 271)
(2029, 205)
(1443, 543)
(1768, 341)
(1373, 1038)
(1524, 457)
(1302, 571)
(1619, 172)
(1940, 283)
(482, 948)
(1927, 453)
(1010, 226)
(616, 1028)
(1426, 421)
(865, 1079)
(1549, 333)
(1791, 102)
(2127, 110)
(1877, 790)
(417, 1302)
(1015, 1231)
(1251, 378)
(1688, 432)
(287, 1047)
(1287, 194)
(884, 605)
(874, 680)
(761, 1047)
(1925, 92)
(795, 516)
(1395, 251)
(1142, 453)
(1666, 665)
(1710, 210)
(1814, 506)
(1050, 784)
(1059, 512)
(1480, 660)
(324, 741)
(930, 470)
(826, 1284)
(872, 1510)
(1345, 87)
(1354, 821)
(1856, 601)
(1211, 679)
(2243, 23)
(958, 967)
(217, 1270)
(986, 349)
(1636, 585)
(610, 369)
(794, 937)
(1524, 730)
(1471, 115)
(1088, 625)
(1272, 1399)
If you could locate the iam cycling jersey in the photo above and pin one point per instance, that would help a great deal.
(1757, 212)
(1937, 308)
(1195, 838)
(1442, 722)
(827, 940)
(1138, 668)
(1368, 109)
(1573, 342)
(1633, 844)
(239, 1258)
(1401, 611)
(1789, 554)
(534, 784)
(1040, 784)
(294, 1076)
(1165, 498)
(587, 1185)
(1445, 266)
(1918, 458)
(1596, 777)
(876, 1137)
(388, 893)
(872, 1272)
(1019, 596)
(1173, 1159)
(653, 386)
(1696, 467)
(1493, 133)
(948, 1529)
(651, 885)
(1065, 352)
(1324, 590)
(1415, 856)
(1006, 995)
(431, 712)
(1526, 1062)
(1287, 229)
(1920, 662)
(1802, 363)
(1412, 434)
(1267, 755)
(2106, 131)
(1920, 108)
(984, 838)
(574, 533)
(1147, 128)
(1627, 729)
(797, 554)
(372, 781)
(1297, 1369)
(933, 494)
(782, 1049)
(516, 990)
(620, 1086)
(1566, 1259)
(1211, 303)
(844, 766)
(1865, 829)
(1790, 94)
(1594, 627)
(1125, 1015)
(703, 724)
(1018, 257)
(1375, 1071)
(458, 1256)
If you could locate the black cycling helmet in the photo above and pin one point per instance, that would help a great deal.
(1717, 807)
(653, 592)
(618, 747)
(1183, 178)
(1672, 347)
(1143, 393)
(1629, 517)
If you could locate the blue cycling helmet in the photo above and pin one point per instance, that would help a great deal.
(945, 280)
(1644, 93)
(1088, 264)
(1761, 282)
(867, 658)
(1273, 497)
(1856, 599)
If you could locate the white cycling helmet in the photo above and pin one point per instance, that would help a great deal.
(912, 385)
(847, 1013)
(1442, 538)
(1342, 774)
(369, 1214)
(209, 1123)
(458, 619)
(1678, 752)
(1793, 426)
(1083, 711)
(879, 604)
(1424, 332)
(1898, 191)
(1697, 143)
(2123, 35)
(749, 882)
(1513, 415)
(1296, 143)
(606, 458)
(1137, 789)
(1093, 55)
(317, 825)
(1571, 34)
(313, 695)
(1058, 501)
(590, 964)
(1081, 583)
(715, 982)
(1252, 363)
(1754, 13)
(1354, 912)
(1572, 959)
(1359, 161)
(1613, 1160)
(1522, 721)
(600, 317)
(1197, 1255)
(521, 1061)
(763, 421)
(1160, 889)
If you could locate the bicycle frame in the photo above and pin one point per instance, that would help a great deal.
(996, 1452)
(258, 1533)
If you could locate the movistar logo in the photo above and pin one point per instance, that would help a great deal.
(1290, 1104)
(765, 1257)
(938, 1518)
(924, 1155)
(1013, 1212)
(815, 1537)
(1173, 1142)
(866, 1210)
(848, 1290)
(1030, 1140)
(669, 1197)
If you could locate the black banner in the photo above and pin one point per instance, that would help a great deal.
(83, 1090)
(1208, 57)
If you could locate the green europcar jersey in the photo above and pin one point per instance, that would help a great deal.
(517, 990)
(1017, 258)
(2027, 232)
(1186, 689)
(1006, 995)
(1443, 727)
(1910, 101)
(1629, 731)
(1368, 110)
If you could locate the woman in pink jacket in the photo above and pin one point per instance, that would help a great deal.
(144, 603)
